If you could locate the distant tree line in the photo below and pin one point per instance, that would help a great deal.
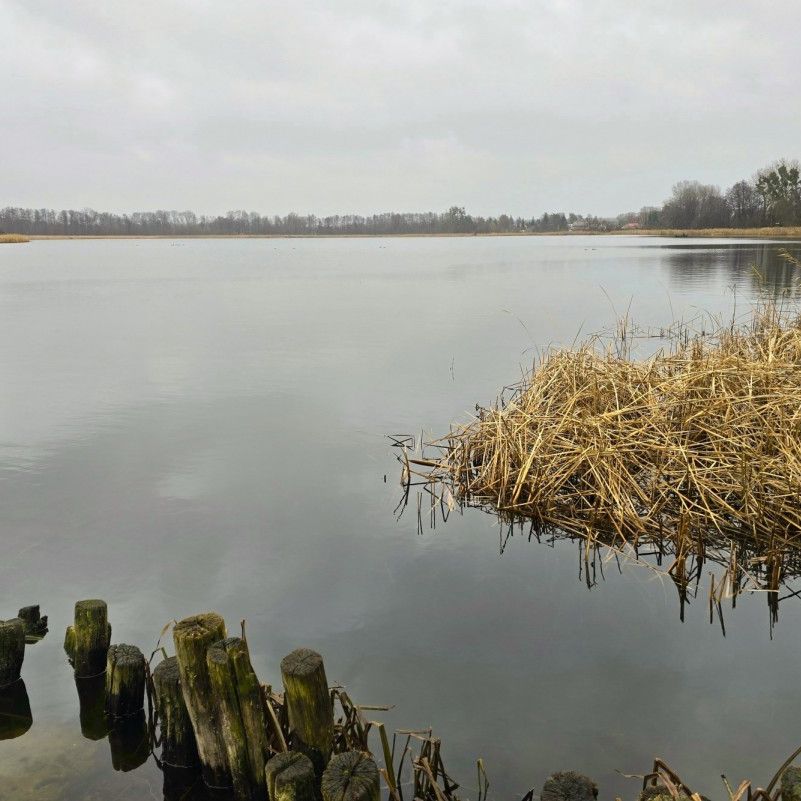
(771, 197)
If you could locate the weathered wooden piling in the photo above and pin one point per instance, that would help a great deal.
(192, 637)
(309, 705)
(12, 650)
(351, 776)
(251, 708)
(129, 742)
(15, 711)
(35, 623)
(125, 680)
(92, 703)
(178, 746)
(569, 786)
(223, 688)
(290, 777)
(90, 638)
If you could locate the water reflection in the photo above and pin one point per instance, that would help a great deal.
(762, 265)
(130, 742)
(92, 700)
(15, 711)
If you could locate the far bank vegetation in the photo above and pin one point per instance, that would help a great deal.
(770, 200)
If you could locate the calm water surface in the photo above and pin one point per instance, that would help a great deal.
(198, 425)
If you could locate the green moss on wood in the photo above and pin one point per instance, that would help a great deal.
(309, 705)
(125, 680)
(290, 777)
(192, 637)
(12, 650)
(178, 746)
(92, 637)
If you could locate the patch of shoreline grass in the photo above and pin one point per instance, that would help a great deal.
(13, 239)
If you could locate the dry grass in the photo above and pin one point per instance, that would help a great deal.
(13, 239)
(694, 453)
(768, 232)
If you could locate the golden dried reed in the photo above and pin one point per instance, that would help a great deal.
(695, 451)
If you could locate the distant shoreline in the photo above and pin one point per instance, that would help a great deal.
(786, 232)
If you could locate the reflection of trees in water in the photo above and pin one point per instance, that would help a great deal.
(759, 266)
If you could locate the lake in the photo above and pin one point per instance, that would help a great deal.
(202, 424)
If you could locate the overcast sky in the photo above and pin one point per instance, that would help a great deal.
(363, 105)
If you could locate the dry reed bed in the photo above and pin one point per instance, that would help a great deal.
(13, 239)
(695, 452)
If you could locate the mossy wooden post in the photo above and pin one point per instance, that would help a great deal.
(309, 706)
(12, 650)
(290, 777)
(178, 747)
(15, 711)
(125, 681)
(352, 776)
(91, 637)
(223, 689)
(192, 637)
(35, 622)
(251, 707)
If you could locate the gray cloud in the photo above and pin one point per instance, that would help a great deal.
(359, 106)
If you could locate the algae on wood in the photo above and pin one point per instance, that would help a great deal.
(12, 650)
(178, 746)
(309, 706)
(91, 637)
(290, 777)
(223, 689)
(125, 680)
(192, 637)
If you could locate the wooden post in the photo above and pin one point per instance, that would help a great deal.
(252, 709)
(192, 637)
(92, 701)
(223, 689)
(35, 623)
(309, 705)
(15, 711)
(178, 746)
(12, 650)
(351, 776)
(125, 681)
(92, 637)
(569, 786)
(290, 777)
(129, 742)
